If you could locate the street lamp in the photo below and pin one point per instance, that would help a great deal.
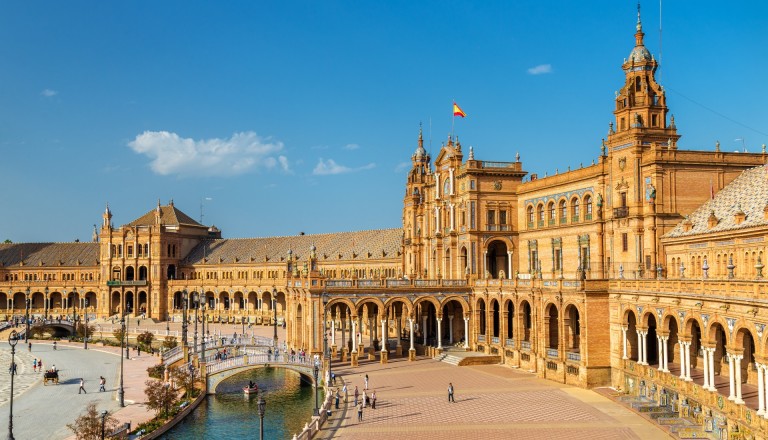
(13, 339)
(326, 347)
(126, 321)
(262, 404)
(274, 307)
(26, 314)
(316, 371)
(45, 304)
(85, 339)
(120, 392)
(202, 342)
(196, 302)
(103, 418)
(242, 334)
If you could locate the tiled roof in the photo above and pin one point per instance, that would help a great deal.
(169, 215)
(748, 193)
(50, 254)
(381, 243)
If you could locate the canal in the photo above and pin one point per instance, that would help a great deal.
(232, 414)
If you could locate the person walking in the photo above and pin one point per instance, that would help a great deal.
(365, 398)
(357, 394)
(373, 399)
(40, 365)
(344, 390)
(338, 396)
(34, 365)
(360, 412)
(102, 382)
(82, 387)
(450, 392)
(366, 382)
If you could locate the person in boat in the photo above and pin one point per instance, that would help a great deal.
(251, 384)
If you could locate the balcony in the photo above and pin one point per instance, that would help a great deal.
(509, 342)
(552, 353)
(525, 345)
(114, 283)
(621, 212)
(574, 357)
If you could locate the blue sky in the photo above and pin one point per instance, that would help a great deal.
(302, 116)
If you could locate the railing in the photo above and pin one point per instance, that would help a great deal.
(525, 345)
(494, 340)
(575, 219)
(509, 342)
(487, 164)
(552, 353)
(588, 217)
(369, 283)
(338, 283)
(127, 283)
(480, 338)
(576, 357)
(551, 222)
(621, 212)
(455, 283)
(398, 283)
(426, 283)
(563, 220)
(258, 359)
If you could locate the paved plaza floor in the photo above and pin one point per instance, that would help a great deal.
(492, 402)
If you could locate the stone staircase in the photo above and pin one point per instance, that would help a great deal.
(679, 427)
(461, 357)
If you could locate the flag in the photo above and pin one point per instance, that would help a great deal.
(457, 111)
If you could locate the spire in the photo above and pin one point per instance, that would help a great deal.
(639, 34)
(471, 153)
(421, 137)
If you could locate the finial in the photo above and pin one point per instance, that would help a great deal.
(472, 153)
(639, 24)
(763, 148)
(717, 146)
(602, 148)
(517, 157)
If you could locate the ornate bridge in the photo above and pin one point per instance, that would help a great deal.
(176, 353)
(63, 324)
(218, 371)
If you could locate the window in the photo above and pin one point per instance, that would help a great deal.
(552, 213)
(654, 120)
(130, 250)
(530, 216)
(575, 208)
(624, 242)
(502, 217)
(491, 217)
(541, 214)
(624, 200)
(587, 207)
(557, 259)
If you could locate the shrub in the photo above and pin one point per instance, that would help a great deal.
(170, 342)
(157, 372)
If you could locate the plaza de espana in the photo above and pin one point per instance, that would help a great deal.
(642, 270)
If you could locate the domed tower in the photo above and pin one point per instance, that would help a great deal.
(641, 104)
(419, 178)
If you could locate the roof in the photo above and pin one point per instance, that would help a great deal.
(169, 215)
(748, 193)
(380, 243)
(50, 254)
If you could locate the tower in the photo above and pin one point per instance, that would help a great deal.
(419, 178)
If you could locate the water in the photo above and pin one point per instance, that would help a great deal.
(231, 414)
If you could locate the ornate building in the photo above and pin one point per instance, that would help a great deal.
(624, 272)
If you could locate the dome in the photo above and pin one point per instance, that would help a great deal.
(420, 152)
(639, 53)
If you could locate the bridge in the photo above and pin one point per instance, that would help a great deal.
(219, 370)
(176, 354)
(68, 326)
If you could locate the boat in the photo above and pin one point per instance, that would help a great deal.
(251, 390)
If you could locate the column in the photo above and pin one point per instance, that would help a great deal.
(399, 329)
(439, 333)
(450, 329)
(760, 389)
(737, 367)
(354, 338)
(665, 340)
(509, 265)
(452, 218)
(688, 362)
(424, 329)
(410, 322)
(333, 330)
(639, 347)
(706, 368)
(682, 346)
(660, 346)
(624, 340)
(731, 390)
(485, 262)
(765, 385)
(466, 333)
(711, 354)
(645, 348)
(384, 334)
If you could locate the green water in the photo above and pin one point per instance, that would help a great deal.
(231, 414)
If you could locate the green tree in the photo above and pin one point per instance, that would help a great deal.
(88, 425)
(160, 396)
(170, 342)
(145, 339)
(80, 330)
(185, 377)
(118, 334)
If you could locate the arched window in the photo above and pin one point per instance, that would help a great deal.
(563, 212)
(587, 207)
(540, 210)
(530, 216)
(552, 213)
(575, 210)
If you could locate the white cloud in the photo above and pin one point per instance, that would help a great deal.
(171, 154)
(351, 147)
(540, 69)
(49, 93)
(330, 167)
(402, 166)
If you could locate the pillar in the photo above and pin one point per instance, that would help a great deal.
(383, 335)
(624, 340)
(660, 347)
(424, 329)
(683, 359)
(645, 348)
(412, 350)
(399, 326)
(664, 340)
(737, 367)
(712, 369)
(688, 362)
(354, 339)
(760, 389)
(439, 333)
(731, 381)
(333, 331)
(639, 347)
(509, 265)
(706, 368)
(450, 330)
(466, 333)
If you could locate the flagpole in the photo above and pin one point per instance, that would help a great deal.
(453, 118)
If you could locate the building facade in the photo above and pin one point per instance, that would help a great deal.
(642, 270)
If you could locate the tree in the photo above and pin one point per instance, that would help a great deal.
(184, 377)
(145, 339)
(118, 334)
(160, 396)
(88, 425)
(80, 330)
(170, 342)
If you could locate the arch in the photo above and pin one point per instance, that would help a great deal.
(587, 207)
(670, 328)
(253, 301)
(464, 260)
(481, 318)
(572, 327)
(552, 326)
(92, 299)
(526, 320)
(143, 273)
(19, 301)
(55, 300)
(575, 210)
(497, 258)
(129, 302)
(540, 214)
(129, 273)
(38, 301)
(142, 302)
(453, 327)
(651, 342)
(496, 318)
(630, 320)
(115, 306)
(717, 337)
(563, 208)
(551, 212)
(509, 308)
(170, 273)
(692, 329)
(744, 342)
(530, 216)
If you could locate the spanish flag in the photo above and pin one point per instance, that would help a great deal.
(457, 111)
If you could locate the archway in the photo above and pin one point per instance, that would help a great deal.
(19, 301)
(142, 302)
(497, 259)
(631, 338)
(552, 325)
(143, 273)
(129, 273)
(496, 318)
(129, 303)
(115, 306)
(572, 329)
(527, 320)
(651, 342)
(718, 336)
(482, 316)
(453, 323)
(510, 322)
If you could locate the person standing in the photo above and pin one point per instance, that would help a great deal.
(40, 365)
(338, 396)
(366, 382)
(365, 399)
(34, 365)
(450, 392)
(344, 390)
(373, 399)
(102, 382)
(357, 394)
(82, 387)
(360, 412)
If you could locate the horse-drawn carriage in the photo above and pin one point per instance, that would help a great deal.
(52, 376)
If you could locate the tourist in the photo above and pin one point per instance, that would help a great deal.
(365, 398)
(34, 365)
(338, 396)
(102, 382)
(366, 382)
(40, 365)
(344, 390)
(360, 412)
(373, 400)
(12, 369)
(357, 394)
(82, 386)
(450, 393)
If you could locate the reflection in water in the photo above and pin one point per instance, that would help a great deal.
(232, 414)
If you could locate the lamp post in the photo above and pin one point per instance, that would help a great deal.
(120, 392)
(274, 307)
(262, 404)
(196, 303)
(184, 322)
(242, 334)
(85, 339)
(13, 339)
(316, 371)
(26, 315)
(125, 328)
(202, 342)
(103, 417)
(167, 323)
(326, 347)
(45, 304)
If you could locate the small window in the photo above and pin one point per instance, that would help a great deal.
(623, 200)
(624, 242)
(130, 250)
(563, 211)
(502, 217)
(491, 217)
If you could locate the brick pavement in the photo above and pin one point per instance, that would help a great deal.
(492, 402)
